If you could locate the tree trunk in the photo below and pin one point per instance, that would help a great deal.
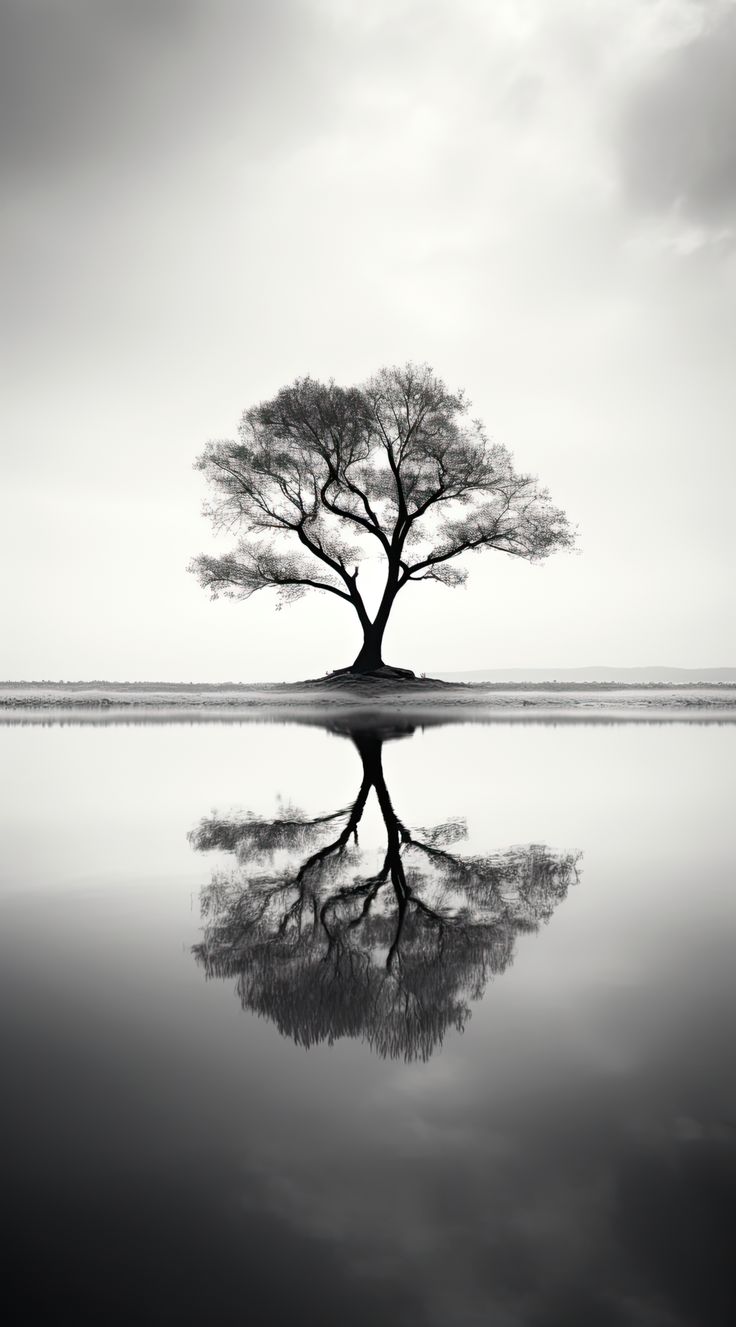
(370, 659)
(369, 656)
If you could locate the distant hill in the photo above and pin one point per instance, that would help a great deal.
(631, 675)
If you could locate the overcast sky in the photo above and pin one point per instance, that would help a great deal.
(203, 199)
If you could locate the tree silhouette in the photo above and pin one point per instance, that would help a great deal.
(322, 476)
(326, 951)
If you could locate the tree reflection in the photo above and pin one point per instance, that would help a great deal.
(325, 950)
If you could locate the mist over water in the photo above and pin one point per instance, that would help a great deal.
(321, 1026)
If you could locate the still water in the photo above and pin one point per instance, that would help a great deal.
(429, 1028)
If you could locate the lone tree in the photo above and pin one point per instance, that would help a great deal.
(322, 476)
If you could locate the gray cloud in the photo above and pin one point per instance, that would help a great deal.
(104, 84)
(545, 1216)
(679, 132)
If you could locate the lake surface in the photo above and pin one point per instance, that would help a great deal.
(431, 1028)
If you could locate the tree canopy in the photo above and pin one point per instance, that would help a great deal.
(322, 476)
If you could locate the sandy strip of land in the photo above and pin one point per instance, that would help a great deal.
(420, 699)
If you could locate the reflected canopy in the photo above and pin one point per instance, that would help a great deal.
(326, 949)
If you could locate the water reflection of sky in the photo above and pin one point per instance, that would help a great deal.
(568, 1159)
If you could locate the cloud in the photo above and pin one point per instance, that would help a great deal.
(678, 133)
(561, 1214)
(109, 85)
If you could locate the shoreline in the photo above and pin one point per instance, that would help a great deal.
(367, 699)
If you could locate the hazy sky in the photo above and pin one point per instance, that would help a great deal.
(203, 199)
